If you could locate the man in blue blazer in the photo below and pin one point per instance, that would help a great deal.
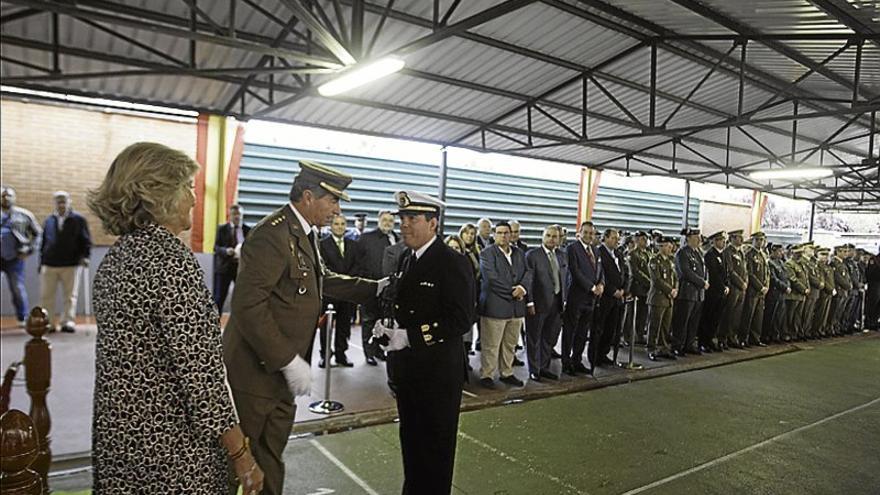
(585, 284)
(545, 302)
(505, 282)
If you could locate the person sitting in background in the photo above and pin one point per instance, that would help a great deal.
(227, 249)
(164, 421)
(19, 233)
(65, 248)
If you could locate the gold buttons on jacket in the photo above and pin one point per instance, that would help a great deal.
(426, 328)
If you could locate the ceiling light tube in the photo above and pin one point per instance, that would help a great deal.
(359, 75)
(792, 173)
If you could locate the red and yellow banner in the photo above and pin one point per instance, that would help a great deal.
(589, 188)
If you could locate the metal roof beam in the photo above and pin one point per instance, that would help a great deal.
(20, 14)
(175, 32)
(791, 53)
(845, 14)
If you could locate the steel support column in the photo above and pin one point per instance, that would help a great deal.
(441, 187)
(686, 205)
(812, 219)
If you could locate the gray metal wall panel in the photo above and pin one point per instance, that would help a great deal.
(267, 172)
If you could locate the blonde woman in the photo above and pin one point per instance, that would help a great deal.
(163, 420)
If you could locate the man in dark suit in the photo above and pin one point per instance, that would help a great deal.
(505, 281)
(227, 248)
(484, 233)
(426, 358)
(585, 285)
(690, 268)
(545, 302)
(515, 232)
(338, 254)
(716, 294)
(610, 307)
(370, 249)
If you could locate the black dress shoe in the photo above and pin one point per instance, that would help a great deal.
(67, 329)
(322, 363)
(605, 360)
(580, 368)
(668, 355)
(568, 370)
(706, 350)
(678, 353)
(344, 362)
(518, 347)
(548, 374)
(534, 377)
(512, 380)
(371, 361)
(555, 355)
(380, 355)
(487, 383)
(479, 346)
(517, 362)
(761, 344)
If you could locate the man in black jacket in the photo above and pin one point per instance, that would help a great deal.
(65, 248)
(585, 284)
(370, 249)
(227, 246)
(692, 284)
(610, 307)
(338, 254)
(716, 294)
(774, 305)
(426, 358)
(546, 299)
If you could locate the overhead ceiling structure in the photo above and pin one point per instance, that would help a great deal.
(705, 90)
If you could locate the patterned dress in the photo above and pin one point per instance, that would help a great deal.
(161, 399)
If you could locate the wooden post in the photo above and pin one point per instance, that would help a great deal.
(38, 373)
(18, 450)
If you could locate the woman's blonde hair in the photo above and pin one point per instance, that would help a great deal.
(144, 185)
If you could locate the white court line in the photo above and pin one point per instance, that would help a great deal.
(348, 472)
(740, 452)
(526, 465)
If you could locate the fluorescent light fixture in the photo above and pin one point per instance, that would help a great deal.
(360, 75)
(792, 173)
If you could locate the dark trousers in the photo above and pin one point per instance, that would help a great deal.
(369, 317)
(710, 317)
(428, 402)
(794, 312)
(576, 322)
(604, 329)
(639, 311)
(658, 330)
(810, 311)
(752, 318)
(542, 331)
(838, 304)
(731, 317)
(685, 322)
(774, 315)
(342, 325)
(820, 318)
(853, 314)
(267, 423)
(14, 270)
(222, 281)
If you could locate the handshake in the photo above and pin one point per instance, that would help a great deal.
(390, 339)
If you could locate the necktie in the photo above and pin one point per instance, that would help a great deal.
(554, 270)
(340, 243)
(590, 255)
(408, 261)
(239, 234)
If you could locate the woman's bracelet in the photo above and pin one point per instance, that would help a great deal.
(245, 446)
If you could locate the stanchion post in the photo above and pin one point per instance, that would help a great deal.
(38, 374)
(630, 365)
(327, 406)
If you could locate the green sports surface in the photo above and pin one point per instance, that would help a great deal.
(801, 423)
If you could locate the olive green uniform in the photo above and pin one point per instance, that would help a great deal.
(758, 267)
(823, 306)
(738, 276)
(640, 284)
(817, 283)
(663, 282)
(843, 284)
(794, 301)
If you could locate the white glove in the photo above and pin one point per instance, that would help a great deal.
(397, 337)
(381, 284)
(298, 374)
(237, 251)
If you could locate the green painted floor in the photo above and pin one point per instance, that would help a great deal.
(805, 422)
(620, 439)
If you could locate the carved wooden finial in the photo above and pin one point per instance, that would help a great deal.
(18, 450)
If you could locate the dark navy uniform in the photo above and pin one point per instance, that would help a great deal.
(435, 304)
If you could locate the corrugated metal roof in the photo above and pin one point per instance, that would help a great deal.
(482, 77)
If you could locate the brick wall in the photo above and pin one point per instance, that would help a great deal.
(47, 147)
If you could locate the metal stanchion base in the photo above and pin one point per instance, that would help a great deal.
(630, 366)
(326, 407)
